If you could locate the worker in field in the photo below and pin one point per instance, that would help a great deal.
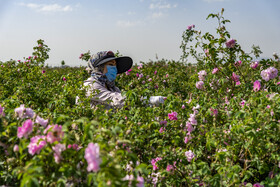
(100, 86)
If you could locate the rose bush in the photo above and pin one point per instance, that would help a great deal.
(218, 125)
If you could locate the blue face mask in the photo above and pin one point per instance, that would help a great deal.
(111, 73)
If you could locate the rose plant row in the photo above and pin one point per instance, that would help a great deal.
(218, 126)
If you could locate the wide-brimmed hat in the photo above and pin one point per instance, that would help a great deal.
(124, 63)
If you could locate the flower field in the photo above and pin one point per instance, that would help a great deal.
(219, 124)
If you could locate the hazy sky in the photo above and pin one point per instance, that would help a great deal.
(141, 29)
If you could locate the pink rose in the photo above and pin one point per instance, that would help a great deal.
(169, 168)
(36, 144)
(187, 138)
(16, 148)
(257, 86)
(230, 43)
(199, 85)
(54, 133)
(24, 112)
(172, 116)
(235, 77)
(58, 149)
(254, 65)
(41, 121)
(26, 129)
(201, 75)
(189, 127)
(2, 111)
(190, 155)
(92, 157)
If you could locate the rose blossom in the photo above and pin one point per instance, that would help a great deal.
(16, 148)
(154, 161)
(164, 122)
(238, 63)
(268, 106)
(258, 185)
(190, 155)
(230, 43)
(92, 157)
(169, 167)
(199, 85)
(187, 138)
(254, 65)
(36, 144)
(265, 75)
(24, 112)
(2, 111)
(58, 148)
(215, 70)
(257, 86)
(273, 72)
(201, 75)
(26, 129)
(29, 112)
(140, 181)
(189, 127)
(172, 116)
(192, 119)
(41, 121)
(235, 77)
(269, 73)
(140, 66)
(242, 103)
(54, 133)
(214, 112)
(196, 107)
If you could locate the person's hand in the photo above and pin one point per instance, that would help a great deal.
(156, 100)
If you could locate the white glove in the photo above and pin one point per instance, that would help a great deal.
(156, 100)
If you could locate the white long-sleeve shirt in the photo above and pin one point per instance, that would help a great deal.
(100, 94)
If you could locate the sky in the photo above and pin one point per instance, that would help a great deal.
(142, 29)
